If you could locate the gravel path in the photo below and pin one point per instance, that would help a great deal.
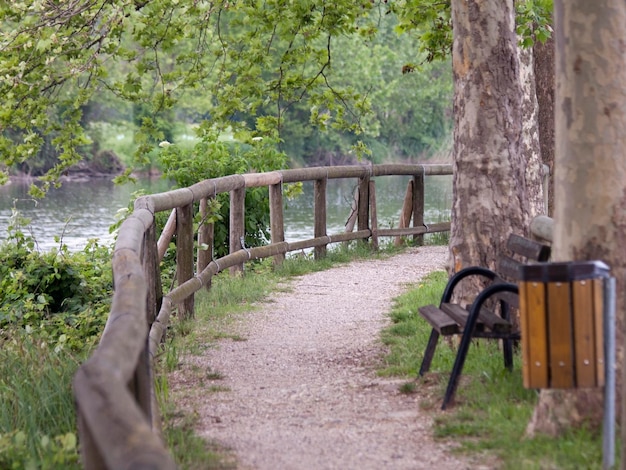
(301, 392)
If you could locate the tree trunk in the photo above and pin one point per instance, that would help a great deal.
(590, 171)
(529, 148)
(543, 63)
(489, 183)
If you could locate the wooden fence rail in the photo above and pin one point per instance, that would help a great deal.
(118, 420)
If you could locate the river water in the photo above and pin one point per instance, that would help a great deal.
(79, 211)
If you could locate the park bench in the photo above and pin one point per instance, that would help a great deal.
(489, 315)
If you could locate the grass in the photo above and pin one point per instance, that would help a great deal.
(492, 407)
(37, 417)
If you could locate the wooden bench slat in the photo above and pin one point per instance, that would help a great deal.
(527, 248)
(441, 322)
(508, 297)
(459, 315)
(509, 268)
(494, 322)
(486, 319)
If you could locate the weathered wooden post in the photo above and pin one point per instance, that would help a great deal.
(184, 254)
(363, 203)
(237, 224)
(418, 206)
(144, 389)
(277, 224)
(319, 204)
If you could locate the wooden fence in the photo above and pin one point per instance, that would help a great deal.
(118, 420)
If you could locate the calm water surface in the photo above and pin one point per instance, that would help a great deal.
(79, 211)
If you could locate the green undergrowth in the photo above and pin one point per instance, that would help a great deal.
(53, 307)
(492, 408)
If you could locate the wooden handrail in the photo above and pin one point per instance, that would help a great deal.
(117, 416)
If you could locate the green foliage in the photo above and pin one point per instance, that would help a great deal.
(212, 158)
(431, 21)
(409, 106)
(227, 58)
(534, 18)
(63, 295)
(327, 77)
(53, 307)
(37, 418)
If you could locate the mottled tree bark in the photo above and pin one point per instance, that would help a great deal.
(590, 171)
(543, 64)
(489, 185)
(529, 145)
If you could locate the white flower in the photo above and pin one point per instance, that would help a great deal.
(257, 139)
(164, 144)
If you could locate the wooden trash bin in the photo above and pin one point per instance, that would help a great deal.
(561, 321)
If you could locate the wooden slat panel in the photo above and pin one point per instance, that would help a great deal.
(459, 315)
(598, 309)
(510, 298)
(560, 334)
(528, 248)
(439, 321)
(509, 268)
(584, 335)
(534, 334)
(486, 319)
(494, 322)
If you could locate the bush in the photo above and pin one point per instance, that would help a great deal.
(213, 157)
(58, 293)
(53, 308)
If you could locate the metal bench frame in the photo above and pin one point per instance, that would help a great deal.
(475, 321)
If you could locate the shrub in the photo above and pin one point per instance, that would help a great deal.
(57, 293)
(53, 308)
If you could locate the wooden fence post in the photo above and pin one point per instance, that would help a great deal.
(184, 254)
(319, 204)
(418, 206)
(90, 455)
(364, 200)
(143, 376)
(237, 224)
(277, 223)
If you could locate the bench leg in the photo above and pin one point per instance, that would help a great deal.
(468, 333)
(507, 344)
(507, 348)
(429, 352)
(466, 339)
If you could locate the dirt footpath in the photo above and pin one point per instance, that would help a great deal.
(301, 392)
